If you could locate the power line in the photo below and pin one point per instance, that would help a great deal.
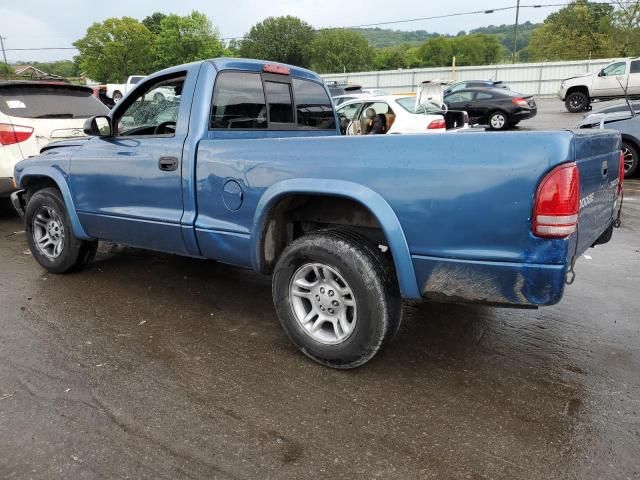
(392, 22)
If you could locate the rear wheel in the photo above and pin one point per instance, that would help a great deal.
(498, 121)
(576, 102)
(630, 155)
(50, 235)
(337, 297)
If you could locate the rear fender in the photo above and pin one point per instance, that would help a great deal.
(31, 172)
(345, 189)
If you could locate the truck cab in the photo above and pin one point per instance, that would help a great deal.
(608, 83)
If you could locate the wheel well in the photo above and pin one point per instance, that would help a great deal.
(34, 183)
(634, 143)
(295, 215)
(579, 88)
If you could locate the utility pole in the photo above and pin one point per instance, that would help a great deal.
(515, 33)
(4, 55)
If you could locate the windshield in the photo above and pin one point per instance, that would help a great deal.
(49, 101)
(409, 104)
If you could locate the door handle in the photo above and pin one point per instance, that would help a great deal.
(168, 164)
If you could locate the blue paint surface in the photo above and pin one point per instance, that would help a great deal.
(455, 208)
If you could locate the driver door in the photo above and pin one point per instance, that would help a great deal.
(609, 80)
(127, 188)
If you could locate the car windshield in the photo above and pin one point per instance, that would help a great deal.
(409, 104)
(49, 101)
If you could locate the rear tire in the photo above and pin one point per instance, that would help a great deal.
(576, 102)
(50, 234)
(630, 153)
(337, 297)
(498, 121)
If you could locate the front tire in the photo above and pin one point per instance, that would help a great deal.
(337, 297)
(630, 155)
(576, 102)
(50, 235)
(498, 121)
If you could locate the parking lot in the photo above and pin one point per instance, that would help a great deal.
(147, 365)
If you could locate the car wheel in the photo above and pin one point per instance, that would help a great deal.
(498, 121)
(337, 297)
(630, 155)
(576, 102)
(117, 96)
(50, 235)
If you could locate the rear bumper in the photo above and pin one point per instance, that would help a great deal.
(523, 115)
(493, 283)
(7, 185)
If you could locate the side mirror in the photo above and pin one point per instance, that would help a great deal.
(99, 126)
(601, 73)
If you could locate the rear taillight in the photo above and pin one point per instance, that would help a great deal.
(520, 102)
(557, 203)
(10, 134)
(620, 173)
(436, 124)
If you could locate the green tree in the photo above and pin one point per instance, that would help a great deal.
(114, 49)
(626, 36)
(280, 39)
(185, 39)
(578, 31)
(435, 52)
(5, 69)
(152, 22)
(340, 50)
(62, 68)
(391, 58)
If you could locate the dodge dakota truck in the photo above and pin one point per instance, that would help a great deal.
(245, 165)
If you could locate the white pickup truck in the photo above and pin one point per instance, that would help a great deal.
(606, 84)
(115, 91)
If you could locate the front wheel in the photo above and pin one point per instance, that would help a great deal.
(576, 102)
(630, 156)
(498, 121)
(50, 235)
(337, 297)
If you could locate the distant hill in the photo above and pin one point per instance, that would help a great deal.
(384, 37)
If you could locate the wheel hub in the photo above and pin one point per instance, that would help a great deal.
(628, 159)
(48, 232)
(323, 303)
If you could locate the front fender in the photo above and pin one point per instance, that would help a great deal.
(354, 191)
(26, 172)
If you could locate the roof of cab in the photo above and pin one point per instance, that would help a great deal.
(225, 63)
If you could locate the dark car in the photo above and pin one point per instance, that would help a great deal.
(464, 84)
(496, 107)
(628, 125)
(341, 88)
(620, 107)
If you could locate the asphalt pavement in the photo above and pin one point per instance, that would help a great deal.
(147, 365)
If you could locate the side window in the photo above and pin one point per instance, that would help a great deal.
(617, 68)
(635, 66)
(280, 104)
(238, 101)
(313, 105)
(460, 97)
(154, 110)
(483, 96)
(458, 86)
(349, 111)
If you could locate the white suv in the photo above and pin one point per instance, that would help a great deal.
(32, 114)
(606, 84)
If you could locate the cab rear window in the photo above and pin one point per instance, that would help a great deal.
(39, 101)
(314, 107)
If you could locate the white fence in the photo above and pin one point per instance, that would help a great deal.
(527, 78)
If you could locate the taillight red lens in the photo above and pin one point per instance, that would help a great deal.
(520, 102)
(435, 124)
(621, 173)
(557, 203)
(10, 134)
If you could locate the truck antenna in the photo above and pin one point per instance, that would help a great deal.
(626, 96)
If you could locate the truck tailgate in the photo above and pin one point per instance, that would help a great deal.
(597, 154)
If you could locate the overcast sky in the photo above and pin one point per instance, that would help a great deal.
(58, 23)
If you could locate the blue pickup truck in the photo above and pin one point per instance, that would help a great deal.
(242, 162)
